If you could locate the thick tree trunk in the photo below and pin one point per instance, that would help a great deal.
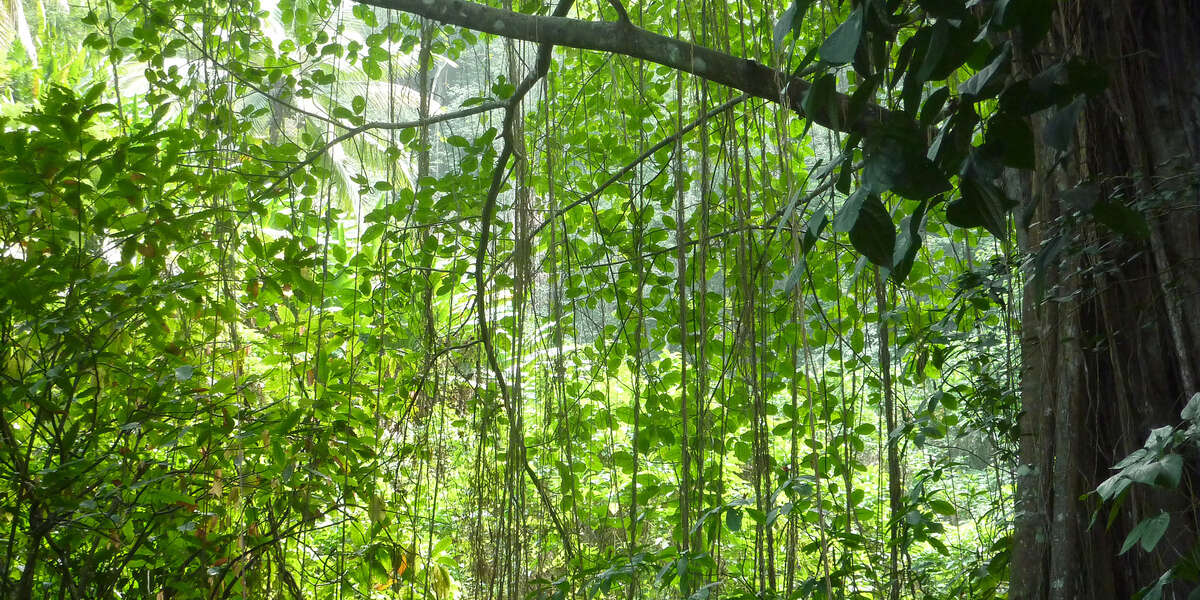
(1111, 338)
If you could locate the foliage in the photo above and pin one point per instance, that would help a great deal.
(1158, 463)
(756, 358)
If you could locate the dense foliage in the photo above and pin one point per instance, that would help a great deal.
(298, 304)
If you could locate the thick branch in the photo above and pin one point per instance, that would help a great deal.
(620, 37)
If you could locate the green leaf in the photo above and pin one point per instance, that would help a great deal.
(1121, 218)
(984, 84)
(733, 519)
(790, 21)
(874, 234)
(982, 205)
(948, 48)
(794, 276)
(840, 46)
(184, 373)
(943, 508)
(898, 163)
(1191, 412)
(954, 9)
(1010, 138)
(932, 108)
(820, 98)
(1004, 13)
(812, 232)
(289, 422)
(910, 243)
(1148, 532)
(1171, 471)
(847, 215)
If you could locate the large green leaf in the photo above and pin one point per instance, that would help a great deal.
(1147, 533)
(873, 233)
(897, 163)
(840, 46)
(988, 81)
(909, 243)
(982, 204)
(790, 21)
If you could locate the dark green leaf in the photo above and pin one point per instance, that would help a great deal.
(784, 25)
(1148, 532)
(790, 21)
(897, 163)
(909, 243)
(874, 234)
(1121, 218)
(903, 59)
(1011, 139)
(949, 47)
(840, 46)
(953, 9)
(986, 82)
(932, 108)
(820, 99)
(1191, 412)
(847, 215)
(982, 205)
(812, 232)
(733, 519)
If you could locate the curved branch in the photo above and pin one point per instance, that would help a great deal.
(622, 37)
(620, 8)
(508, 133)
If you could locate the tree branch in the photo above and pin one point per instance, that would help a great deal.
(622, 37)
(620, 8)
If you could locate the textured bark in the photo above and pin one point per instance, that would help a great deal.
(1111, 341)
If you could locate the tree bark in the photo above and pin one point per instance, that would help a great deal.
(1110, 341)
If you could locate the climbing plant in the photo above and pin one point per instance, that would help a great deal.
(465, 299)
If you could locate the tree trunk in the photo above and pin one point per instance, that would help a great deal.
(1111, 334)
